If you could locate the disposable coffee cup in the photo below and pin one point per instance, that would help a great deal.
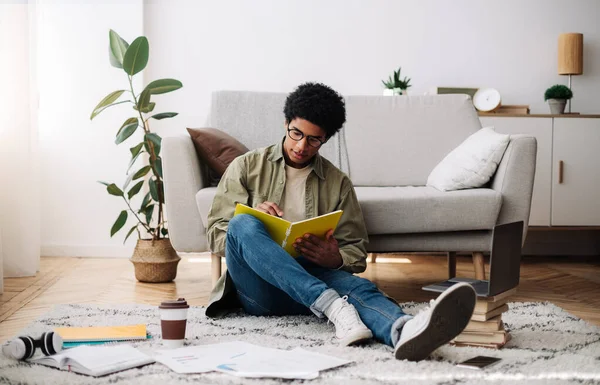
(173, 320)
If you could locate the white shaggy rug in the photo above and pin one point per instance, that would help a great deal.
(549, 346)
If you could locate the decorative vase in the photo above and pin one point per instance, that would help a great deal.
(557, 106)
(155, 260)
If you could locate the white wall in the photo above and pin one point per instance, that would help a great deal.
(74, 75)
(274, 45)
(351, 45)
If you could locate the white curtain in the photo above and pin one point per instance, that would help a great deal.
(19, 156)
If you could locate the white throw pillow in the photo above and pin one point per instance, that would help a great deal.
(472, 163)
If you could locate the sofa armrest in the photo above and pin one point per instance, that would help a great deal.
(514, 180)
(182, 180)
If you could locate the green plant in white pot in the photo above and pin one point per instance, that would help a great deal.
(394, 85)
(557, 97)
(154, 258)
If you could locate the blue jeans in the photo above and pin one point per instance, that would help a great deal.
(270, 282)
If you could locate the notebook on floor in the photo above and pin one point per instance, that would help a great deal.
(505, 264)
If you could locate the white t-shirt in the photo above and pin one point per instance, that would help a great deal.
(294, 194)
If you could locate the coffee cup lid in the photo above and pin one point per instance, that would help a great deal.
(180, 303)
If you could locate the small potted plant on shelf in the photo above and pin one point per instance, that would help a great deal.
(557, 97)
(395, 86)
(154, 258)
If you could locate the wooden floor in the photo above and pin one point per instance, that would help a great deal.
(573, 284)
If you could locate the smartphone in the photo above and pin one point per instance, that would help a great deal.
(478, 362)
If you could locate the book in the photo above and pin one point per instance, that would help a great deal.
(102, 333)
(498, 337)
(74, 344)
(96, 361)
(491, 325)
(512, 109)
(483, 306)
(498, 297)
(488, 315)
(284, 232)
(483, 345)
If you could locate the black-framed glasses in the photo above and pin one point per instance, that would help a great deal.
(297, 135)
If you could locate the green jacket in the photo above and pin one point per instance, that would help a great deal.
(259, 176)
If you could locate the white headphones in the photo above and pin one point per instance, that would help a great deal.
(23, 347)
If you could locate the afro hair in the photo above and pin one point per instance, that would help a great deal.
(319, 104)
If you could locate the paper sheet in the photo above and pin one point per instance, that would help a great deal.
(247, 360)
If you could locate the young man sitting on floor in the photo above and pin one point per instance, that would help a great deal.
(291, 180)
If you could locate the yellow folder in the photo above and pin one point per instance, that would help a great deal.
(285, 232)
(102, 333)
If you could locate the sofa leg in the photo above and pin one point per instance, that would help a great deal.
(215, 261)
(479, 265)
(451, 264)
(373, 257)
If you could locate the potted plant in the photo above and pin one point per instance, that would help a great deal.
(557, 97)
(395, 86)
(154, 258)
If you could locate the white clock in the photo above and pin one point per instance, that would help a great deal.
(486, 99)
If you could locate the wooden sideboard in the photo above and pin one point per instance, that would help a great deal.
(566, 188)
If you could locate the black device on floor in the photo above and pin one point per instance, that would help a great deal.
(478, 362)
(505, 263)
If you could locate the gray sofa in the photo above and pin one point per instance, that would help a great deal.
(388, 147)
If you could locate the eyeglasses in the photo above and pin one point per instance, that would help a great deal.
(297, 135)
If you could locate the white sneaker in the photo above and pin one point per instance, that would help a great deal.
(349, 329)
(446, 318)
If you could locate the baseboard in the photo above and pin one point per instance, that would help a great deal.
(97, 251)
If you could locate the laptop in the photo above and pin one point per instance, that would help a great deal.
(505, 263)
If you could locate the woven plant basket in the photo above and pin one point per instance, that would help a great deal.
(155, 261)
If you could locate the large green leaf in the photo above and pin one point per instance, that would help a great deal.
(141, 172)
(156, 190)
(148, 211)
(136, 149)
(125, 132)
(153, 189)
(164, 231)
(158, 166)
(143, 100)
(106, 102)
(126, 123)
(119, 223)
(135, 189)
(164, 115)
(114, 190)
(163, 86)
(116, 49)
(145, 203)
(156, 143)
(129, 233)
(148, 108)
(136, 56)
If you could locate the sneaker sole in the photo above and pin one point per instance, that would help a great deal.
(357, 338)
(449, 318)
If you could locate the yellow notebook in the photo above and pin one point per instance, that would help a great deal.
(285, 232)
(102, 333)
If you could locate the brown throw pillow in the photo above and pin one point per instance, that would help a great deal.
(217, 149)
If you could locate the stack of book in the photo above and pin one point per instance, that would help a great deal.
(486, 328)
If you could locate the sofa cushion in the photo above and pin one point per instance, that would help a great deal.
(398, 140)
(472, 163)
(217, 149)
(399, 210)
